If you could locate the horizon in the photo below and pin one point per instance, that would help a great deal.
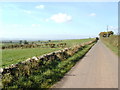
(18, 39)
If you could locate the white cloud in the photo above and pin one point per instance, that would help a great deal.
(60, 18)
(27, 11)
(113, 28)
(35, 25)
(40, 7)
(92, 14)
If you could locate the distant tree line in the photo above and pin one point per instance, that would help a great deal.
(23, 42)
(34, 45)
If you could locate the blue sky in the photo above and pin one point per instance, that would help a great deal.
(56, 20)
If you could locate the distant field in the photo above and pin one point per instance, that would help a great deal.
(69, 42)
(75, 41)
(112, 43)
(12, 56)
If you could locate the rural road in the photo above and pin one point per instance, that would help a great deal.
(98, 69)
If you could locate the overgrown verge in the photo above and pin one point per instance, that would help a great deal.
(112, 43)
(43, 72)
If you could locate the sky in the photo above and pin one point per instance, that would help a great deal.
(56, 20)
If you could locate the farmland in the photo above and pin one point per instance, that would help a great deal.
(15, 55)
(46, 70)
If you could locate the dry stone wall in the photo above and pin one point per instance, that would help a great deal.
(25, 67)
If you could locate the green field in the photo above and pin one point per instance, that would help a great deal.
(73, 42)
(112, 43)
(12, 56)
(46, 75)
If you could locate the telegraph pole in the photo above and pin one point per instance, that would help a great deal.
(107, 30)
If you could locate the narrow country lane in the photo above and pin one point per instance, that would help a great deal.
(98, 69)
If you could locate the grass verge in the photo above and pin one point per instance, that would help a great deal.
(47, 75)
(112, 43)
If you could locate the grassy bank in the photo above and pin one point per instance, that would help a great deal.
(12, 56)
(112, 43)
(47, 75)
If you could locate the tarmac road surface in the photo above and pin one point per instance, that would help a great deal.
(98, 69)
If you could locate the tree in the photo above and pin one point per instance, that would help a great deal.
(110, 33)
(103, 34)
(106, 34)
(38, 40)
(49, 40)
(32, 42)
(20, 42)
(25, 42)
(10, 41)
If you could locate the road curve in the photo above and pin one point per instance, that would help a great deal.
(98, 69)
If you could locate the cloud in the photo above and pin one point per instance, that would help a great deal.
(27, 11)
(35, 25)
(60, 18)
(92, 14)
(40, 7)
(113, 28)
